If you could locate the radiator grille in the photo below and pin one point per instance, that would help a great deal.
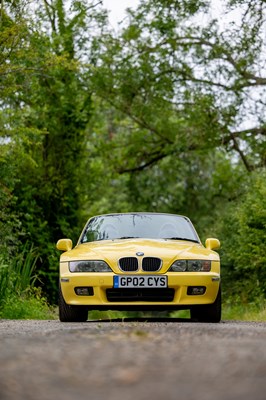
(128, 264)
(151, 264)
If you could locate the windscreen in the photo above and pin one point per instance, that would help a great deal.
(149, 226)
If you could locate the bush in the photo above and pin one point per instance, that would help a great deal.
(243, 237)
(19, 299)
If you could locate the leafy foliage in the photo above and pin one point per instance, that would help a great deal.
(190, 86)
(244, 233)
(17, 275)
(50, 106)
(166, 114)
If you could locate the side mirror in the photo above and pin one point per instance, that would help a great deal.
(64, 244)
(212, 244)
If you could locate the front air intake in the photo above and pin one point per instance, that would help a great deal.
(138, 295)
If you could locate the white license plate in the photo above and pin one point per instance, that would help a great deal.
(144, 281)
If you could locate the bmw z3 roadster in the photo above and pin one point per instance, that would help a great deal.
(139, 261)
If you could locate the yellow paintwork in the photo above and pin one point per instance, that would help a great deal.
(111, 251)
(212, 244)
(64, 244)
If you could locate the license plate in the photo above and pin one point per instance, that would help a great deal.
(145, 281)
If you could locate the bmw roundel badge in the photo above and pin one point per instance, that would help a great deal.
(140, 254)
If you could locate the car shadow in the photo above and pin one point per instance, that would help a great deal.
(141, 319)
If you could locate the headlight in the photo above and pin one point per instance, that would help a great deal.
(179, 266)
(89, 266)
(191, 266)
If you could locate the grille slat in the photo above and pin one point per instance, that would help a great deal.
(148, 295)
(150, 264)
(128, 264)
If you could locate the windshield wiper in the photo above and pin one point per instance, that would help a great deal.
(180, 238)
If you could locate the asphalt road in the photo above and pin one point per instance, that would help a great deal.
(132, 359)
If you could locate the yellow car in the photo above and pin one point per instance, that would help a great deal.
(139, 261)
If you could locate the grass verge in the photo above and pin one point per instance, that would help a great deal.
(27, 306)
(244, 312)
(32, 305)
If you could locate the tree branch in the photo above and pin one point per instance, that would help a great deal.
(222, 53)
(249, 168)
(228, 57)
(145, 165)
(50, 10)
(236, 134)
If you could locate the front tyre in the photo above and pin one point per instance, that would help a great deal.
(208, 312)
(71, 313)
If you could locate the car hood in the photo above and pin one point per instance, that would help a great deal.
(112, 250)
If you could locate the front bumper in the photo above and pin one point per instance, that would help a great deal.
(103, 282)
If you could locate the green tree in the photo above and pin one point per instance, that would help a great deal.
(49, 111)
(60, 106)
(191, 86)
(13, 47)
